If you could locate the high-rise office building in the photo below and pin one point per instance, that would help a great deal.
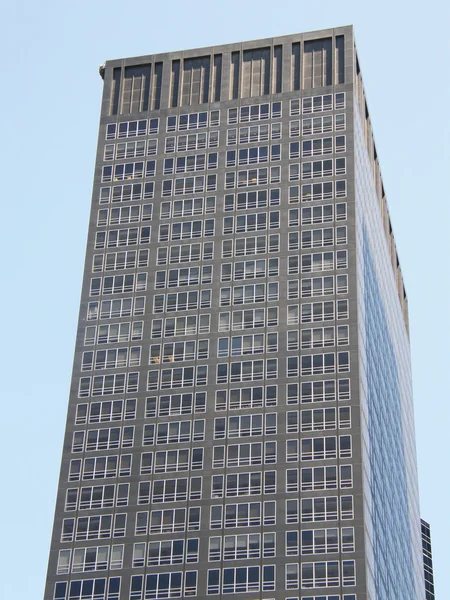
(240, 417)
(427, 561)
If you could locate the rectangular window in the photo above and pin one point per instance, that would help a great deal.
(173, 520)
(186, 230)
(188, 208)
(253, 397)
(241, 579)
(100, 496)
(105, 385)
(93, 528)
(246, 514)
(100, 412)
(253, 199)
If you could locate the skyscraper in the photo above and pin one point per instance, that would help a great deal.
(427, 561)
(240, 418)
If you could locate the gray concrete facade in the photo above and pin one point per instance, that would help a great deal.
(306, 410)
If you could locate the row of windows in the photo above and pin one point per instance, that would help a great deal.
(319, 337)
(234, 580)
(316, 510)
(179, 351)
(245, 546)
(317, 103)
(194, 229)
(111, 309)
(188, 208)
(248, 319)
(320, 574)
(252, 199)
(130, 149)
(163, 585)
(245, 178)
(251, 222)
(326, 478)
(240, 201)
(317, 168)
(126, 171)
(113, 333)
(172, 461)
(102, 412)
(198, 120)
(124, 215)
(256, 453)
(247, 344)
(118, 284)
(251, 370)
(257, 154)
(179, 326)
(254, 397)
(249, 294)
(190, 163)
(186, 230)
(245, 426)
(189, 185)
(117, 261)
(94, 558)
(255, 514)
(104, 385)
(244, 455)
(312, 126)
(253, 133)
(88, 589)
(178, 301)
(317, 286)
(314, 238)
(261, 292)
(242, 426)
(192, 141)
(188, 403)
(250, 245)
(127, 192)
(99, 496)
(93, 528)
(195, 141)
(100, 467)
(247, 514)
(254, 112)
(243, 484)
(312, 312)
(177, 378)
(128, 129)
(116, 238)
(111, 359)
(250, 269)
(323, 448)
(168, 552)
(252, 177)
(170, 490)
(318, 364)
(331, 597)
(103, 439)
(183, 277)
(233, 484)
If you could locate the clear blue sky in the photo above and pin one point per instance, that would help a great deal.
(50, 102)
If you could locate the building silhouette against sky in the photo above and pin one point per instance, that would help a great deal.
(241, 416)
